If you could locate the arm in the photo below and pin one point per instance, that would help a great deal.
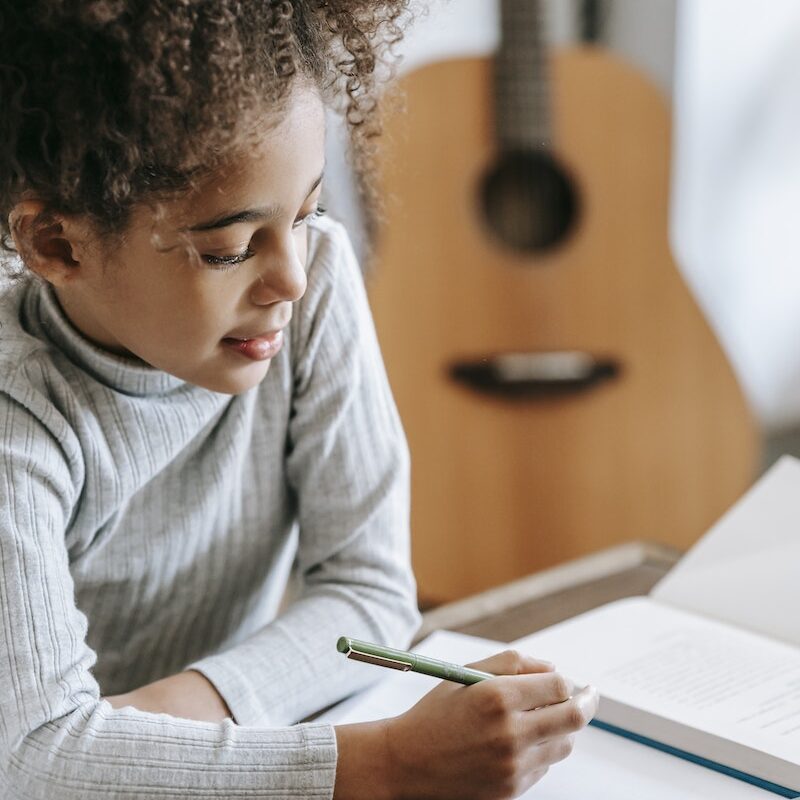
(58, 738)
(454, 744)
(347, 463)
(188, 695)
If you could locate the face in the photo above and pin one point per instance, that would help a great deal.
(216, 321)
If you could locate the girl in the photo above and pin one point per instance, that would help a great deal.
(191, 399)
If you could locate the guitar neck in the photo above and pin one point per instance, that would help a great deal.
(522, 96)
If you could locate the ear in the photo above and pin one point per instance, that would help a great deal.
(49, 243)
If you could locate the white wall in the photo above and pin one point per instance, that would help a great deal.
(736, 188)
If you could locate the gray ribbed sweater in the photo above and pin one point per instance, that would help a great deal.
(147, 525)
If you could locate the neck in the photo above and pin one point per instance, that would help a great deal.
(521, 88)
(74, 307)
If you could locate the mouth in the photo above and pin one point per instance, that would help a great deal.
(256, 348)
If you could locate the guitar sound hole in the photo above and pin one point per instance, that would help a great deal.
(529, 202)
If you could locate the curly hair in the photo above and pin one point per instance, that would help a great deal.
(106, 103)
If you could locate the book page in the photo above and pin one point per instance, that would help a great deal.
(746, 569)
(602, 766)
(683, 667)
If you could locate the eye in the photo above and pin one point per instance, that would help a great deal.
(228, 262)
(315, 214)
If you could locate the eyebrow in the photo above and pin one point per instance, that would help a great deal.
(247, 214)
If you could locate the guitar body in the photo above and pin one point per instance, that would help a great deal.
(502, 487)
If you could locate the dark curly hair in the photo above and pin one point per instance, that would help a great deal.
(106, 103)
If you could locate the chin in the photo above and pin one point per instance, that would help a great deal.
(234, 381)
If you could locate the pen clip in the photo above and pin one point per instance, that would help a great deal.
(380, 661)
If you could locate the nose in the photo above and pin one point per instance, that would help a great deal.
(281, 277)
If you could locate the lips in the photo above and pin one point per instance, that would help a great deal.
(256, 348)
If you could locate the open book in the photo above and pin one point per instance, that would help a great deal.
(707, 666)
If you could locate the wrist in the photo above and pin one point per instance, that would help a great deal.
(364, 768)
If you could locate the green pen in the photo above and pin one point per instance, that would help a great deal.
(413, 662)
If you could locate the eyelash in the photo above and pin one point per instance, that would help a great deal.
(318, 212)
(222, 263)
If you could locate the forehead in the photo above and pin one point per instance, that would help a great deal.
(274, 167)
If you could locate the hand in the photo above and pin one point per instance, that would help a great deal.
(189, 695)
(489, 741)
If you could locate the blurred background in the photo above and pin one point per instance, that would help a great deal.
(583, 280)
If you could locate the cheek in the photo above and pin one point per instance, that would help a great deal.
(302, 246)
(210, 303)
(177, 302)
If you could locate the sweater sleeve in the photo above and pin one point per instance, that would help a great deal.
(58, 738)
(348, 464)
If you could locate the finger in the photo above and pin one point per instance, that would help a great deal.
(560, 719)
(530, 777)
(512, 662)
(536, 775)
(529, 691)
(552, 751)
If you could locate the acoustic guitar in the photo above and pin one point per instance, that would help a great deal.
(559, 387)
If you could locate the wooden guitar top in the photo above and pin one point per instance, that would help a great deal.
(504, 487)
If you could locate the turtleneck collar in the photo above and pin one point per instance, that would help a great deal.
(127, 375)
